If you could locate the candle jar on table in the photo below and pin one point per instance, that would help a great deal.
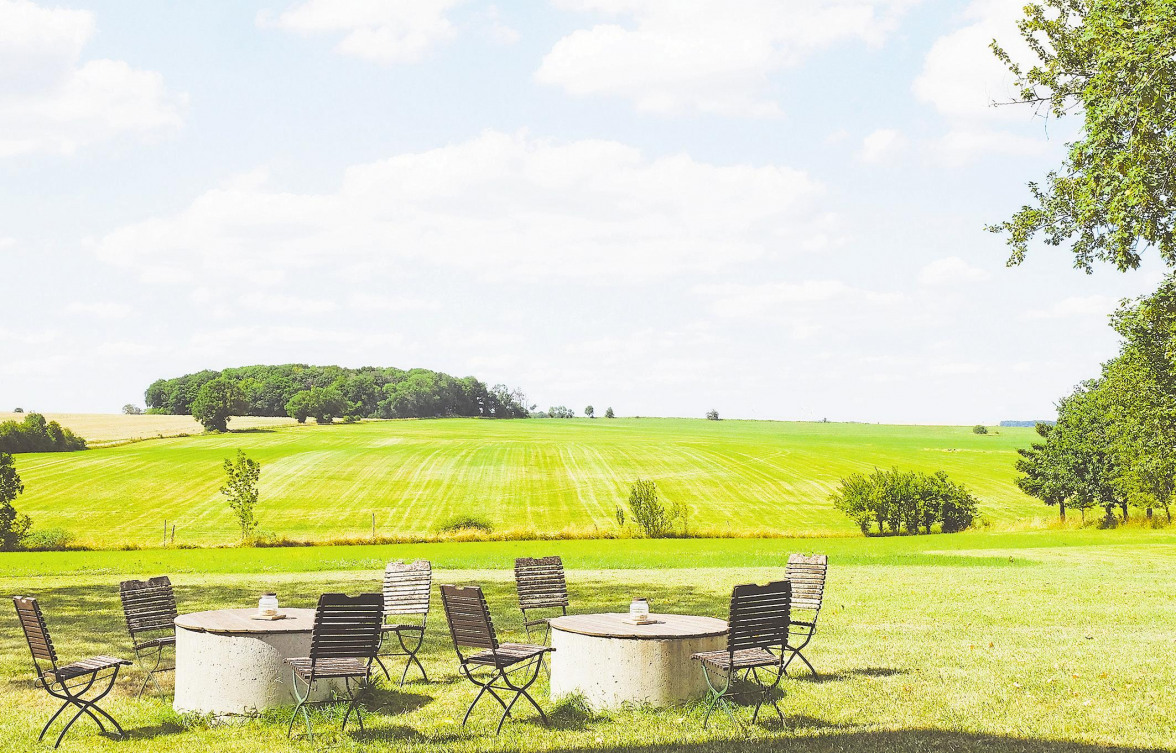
(639, 610)
(267, 605)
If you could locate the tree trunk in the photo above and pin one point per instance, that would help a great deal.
(1124, 506)
(1062, 508)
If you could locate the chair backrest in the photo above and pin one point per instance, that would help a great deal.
(148, 605)
(540, 582)
(28, 611)
(346, 627)
(407, 587)
(759, 616)
(469, 618)
(807, 575)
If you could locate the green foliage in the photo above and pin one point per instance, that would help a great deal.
(13, 525)
(241, 489)
(910, 500)
(48, 540)
(218, 400)
(979, 429)
(467, 522)
(1112, 61)
(590, 412)
(559, 411)
(323, 404)
(712, 415)
(35, 434)
(131, 409)
(608, 413)
(366, 392)
(649, 513)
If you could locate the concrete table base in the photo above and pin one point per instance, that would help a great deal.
(226, 666)
(611, 663)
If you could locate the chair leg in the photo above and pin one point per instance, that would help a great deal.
(412, 656)
(77, 699)
(150, 678)
(717, 697)
(353, 697)
(300, 706)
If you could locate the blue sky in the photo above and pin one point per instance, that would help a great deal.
(771, 209)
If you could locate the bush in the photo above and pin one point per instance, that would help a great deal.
(35, 434)
(241, 489)
(909, 500)
(466, 523)
(648, 512)
(48, 540)
(979, 429)
(608, 413)
(131, 409)
(712, 415)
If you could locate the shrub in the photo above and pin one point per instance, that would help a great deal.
(35, 434)
(48, 540)
(466, 522)
(909, 500)
(648, 512)
(131, 409)
(979, 429)
(241, 489)
(712, 415)
(608, 413)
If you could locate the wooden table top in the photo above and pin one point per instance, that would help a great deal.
(238, 622)
(666, 626)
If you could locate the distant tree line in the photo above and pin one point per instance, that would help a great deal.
(35, 434)
(328, 392)
(1114, 444)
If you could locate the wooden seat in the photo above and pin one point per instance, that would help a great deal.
(540, 584)
(807, 576)
(757, 636)
(407, 589)
(150, 610)
(471, 627)
(343, 644)
(81, 684)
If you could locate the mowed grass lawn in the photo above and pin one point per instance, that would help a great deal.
(1044, 642)
(324, 482)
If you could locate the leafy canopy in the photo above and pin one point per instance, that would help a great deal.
(241, 489)
(1114, 63)
(13, 526)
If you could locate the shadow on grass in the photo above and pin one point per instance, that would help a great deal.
(805, 676)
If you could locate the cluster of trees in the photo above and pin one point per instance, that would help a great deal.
(1114, 444)
(334, 392)
(905, 500)
(35, 434)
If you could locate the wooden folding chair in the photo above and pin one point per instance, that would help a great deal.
(150, 610)
(406, 594)
(471, 627)
(81, 684)
(757, 636)
(540, 585)
(343, 645)
(807, 576)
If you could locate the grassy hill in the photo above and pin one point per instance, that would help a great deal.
(323, 482)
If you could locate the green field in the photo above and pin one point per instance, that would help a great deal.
(543, 476)
(1031, 642)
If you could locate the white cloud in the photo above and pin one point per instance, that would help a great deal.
(961, 79)
(950, 271)
(287, 304)
(881, 146)
(381, 31)
(1076, 306)
(499, 205)
(368, 302)
(713, 56)
(51, 101)
(100, 310)
(736, 300)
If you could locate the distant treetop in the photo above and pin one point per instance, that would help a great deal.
(368, 392)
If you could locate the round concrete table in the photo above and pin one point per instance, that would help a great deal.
(612, 662)
(227, 663)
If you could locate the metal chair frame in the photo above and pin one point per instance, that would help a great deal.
(807, 575)
(471, 626)
(150, 609)
(71, 683)
(406, 592)
(540, 584)
(757, 636)
(343, 645)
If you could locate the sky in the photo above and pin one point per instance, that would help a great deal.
(775, 210)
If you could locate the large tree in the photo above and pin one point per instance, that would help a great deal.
(216, 402)
(1112, 63)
